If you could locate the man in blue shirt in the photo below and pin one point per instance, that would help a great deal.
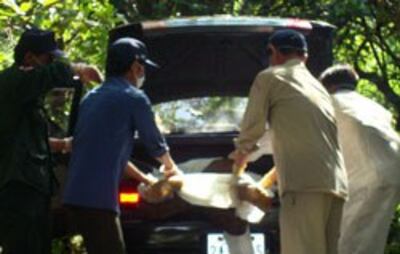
(103, 141)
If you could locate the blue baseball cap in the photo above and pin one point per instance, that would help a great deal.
(129, 49)
(288, 39)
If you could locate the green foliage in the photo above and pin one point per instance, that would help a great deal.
(370, 46)
(81, 26)
(68, 245)
(156, 9)
(393, 243)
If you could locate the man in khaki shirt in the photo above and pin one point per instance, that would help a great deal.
(309, 165)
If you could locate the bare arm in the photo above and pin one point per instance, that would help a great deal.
(240, 160)
(87, 72)
(257, 194)
(133, 172)
(169, 165)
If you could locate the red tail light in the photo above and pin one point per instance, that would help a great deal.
(129, 198)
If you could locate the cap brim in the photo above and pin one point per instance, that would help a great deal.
(294, 48)
(151, 64)
(58, 53)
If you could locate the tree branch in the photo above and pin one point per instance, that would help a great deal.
(387, 49)
(381, 82)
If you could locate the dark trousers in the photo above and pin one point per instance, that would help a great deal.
(101, 229)
(24, 220)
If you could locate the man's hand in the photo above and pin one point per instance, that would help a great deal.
(255, 194)
(170, 171)
(61, 145)
(87, 73)
(158, 192)
(168, 166)
(239, 161)
(131, 171)
(149, 180)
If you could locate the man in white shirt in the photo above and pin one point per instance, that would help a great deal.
(371, 150)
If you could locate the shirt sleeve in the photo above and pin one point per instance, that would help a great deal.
(146, 126)
(38, 81)
(254, 121)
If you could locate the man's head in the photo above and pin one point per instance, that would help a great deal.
(286, 44)
(36, 47)
(338, 77)
(128, 57)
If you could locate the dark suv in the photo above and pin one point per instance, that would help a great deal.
(199, 95)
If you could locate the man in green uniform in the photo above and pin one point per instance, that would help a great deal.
(26, 177)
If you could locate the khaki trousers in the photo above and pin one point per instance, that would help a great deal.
(310, 223)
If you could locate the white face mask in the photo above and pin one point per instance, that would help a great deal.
(140, 81)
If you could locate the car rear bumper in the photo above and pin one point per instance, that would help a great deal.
(180, 237)
(186, 235)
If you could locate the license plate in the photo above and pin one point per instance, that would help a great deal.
(216, 243)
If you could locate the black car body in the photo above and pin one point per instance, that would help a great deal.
(203, 57)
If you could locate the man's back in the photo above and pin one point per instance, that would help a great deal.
(103, 140)
(301, 116)
(370, 144)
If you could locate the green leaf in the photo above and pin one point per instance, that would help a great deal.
(47, 3)
(13, 5)
(26, 6)
(4, 14)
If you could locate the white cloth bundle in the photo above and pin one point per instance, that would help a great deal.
(213, 190)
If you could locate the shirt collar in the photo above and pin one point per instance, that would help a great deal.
(118, 81)
(294, 61)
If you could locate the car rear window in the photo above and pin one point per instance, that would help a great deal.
(200, 115)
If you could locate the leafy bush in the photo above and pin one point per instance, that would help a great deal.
(68, 245)
(393, 243)
(81, 26)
